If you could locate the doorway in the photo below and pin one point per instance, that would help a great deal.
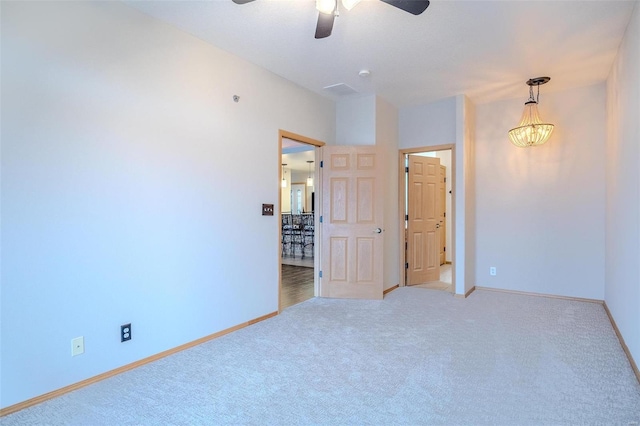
(298, 238)
(427, 217)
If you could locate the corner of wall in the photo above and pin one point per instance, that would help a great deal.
(465, 195)
(386, 123)
(622, 213)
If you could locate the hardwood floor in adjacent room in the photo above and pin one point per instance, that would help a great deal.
(297, 261)
(297, 285)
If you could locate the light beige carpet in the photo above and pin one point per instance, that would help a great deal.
(418, 357)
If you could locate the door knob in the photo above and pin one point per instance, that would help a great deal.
(437, 225)
(378, 231)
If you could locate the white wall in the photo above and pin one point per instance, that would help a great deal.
(540, 211)
(387, 138)
(428, 125)
(122, 195)
(622, 282)
(356, 120)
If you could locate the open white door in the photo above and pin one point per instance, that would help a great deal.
(442, 231)
(352, 239)
(423, 234)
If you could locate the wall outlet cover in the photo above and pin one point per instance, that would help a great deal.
(125, 332)
(77, 346)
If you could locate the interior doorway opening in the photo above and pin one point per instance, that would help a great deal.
(298, 236)
(427, 217)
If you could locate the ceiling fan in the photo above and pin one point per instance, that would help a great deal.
(328, 10)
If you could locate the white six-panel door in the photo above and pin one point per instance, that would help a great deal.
(423, 236)
(352, 234)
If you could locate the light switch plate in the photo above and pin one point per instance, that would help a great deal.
(267, 210)
(77, 346)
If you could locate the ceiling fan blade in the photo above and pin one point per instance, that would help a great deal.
(415, 7)
(325, 25)
(241, 1)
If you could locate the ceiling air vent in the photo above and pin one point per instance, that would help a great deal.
(340, 89)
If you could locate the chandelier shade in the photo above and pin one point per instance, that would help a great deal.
(531, 130)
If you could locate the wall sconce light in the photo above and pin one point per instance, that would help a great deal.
(531, 131)
(283, 182)
(309, 178)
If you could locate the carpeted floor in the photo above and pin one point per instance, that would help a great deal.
(417, 357)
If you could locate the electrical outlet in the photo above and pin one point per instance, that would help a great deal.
(77, 346)
(125, 332)
(492, 271)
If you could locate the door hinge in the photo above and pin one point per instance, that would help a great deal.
(406, 265)
(445, 180)
(320, 274)
(321, 164)
(406, 245)
(444, 249)
(444, 214)
(406, 169)
(406, 217)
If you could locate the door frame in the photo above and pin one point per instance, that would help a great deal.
(402, 202)
(283, 134)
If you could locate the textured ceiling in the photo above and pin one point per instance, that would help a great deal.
(485, 49)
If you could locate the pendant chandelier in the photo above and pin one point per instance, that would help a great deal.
(283, 182)
(309, 178)
(531, 131)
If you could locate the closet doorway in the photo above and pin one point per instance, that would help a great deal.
(298, 233)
